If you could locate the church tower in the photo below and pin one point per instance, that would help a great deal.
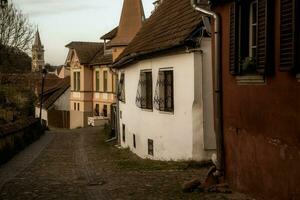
(38, 61)
(132, 18)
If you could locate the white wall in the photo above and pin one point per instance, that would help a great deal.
(175, 135)
(44, 114)
(63, 102)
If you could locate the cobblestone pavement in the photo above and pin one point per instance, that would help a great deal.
(78, 164)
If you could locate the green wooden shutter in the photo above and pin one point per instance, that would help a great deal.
(287, 35)
(265, 38)
(234, 40)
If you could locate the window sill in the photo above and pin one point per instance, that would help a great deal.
(298, 77)
(147, 110)
(251, 80)
(166, 112)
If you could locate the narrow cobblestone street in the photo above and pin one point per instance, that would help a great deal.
(78, 164)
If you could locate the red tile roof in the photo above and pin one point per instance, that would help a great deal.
(169, 26)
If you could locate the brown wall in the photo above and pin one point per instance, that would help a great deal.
(261, 127)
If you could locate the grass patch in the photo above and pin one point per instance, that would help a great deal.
(124, 159)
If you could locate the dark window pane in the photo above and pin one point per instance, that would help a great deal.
(123, 133)
(150, 147)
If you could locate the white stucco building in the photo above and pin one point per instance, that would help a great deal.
(166, 88)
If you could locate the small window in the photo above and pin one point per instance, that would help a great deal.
(78, 106)
(97, 81)
(134, 141)
(105, 110)
(144, 93)
(105, 81)
(164, 93)
(39, 57)
(123, 133)
(97, 110)
(74, 106)
(150, 147)
(121, 90)
(120, 114)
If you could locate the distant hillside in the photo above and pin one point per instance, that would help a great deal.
(14, 61)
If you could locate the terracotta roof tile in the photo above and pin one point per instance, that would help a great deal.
(169, 26)
(130, 22)
(102, 59)
(110, 35)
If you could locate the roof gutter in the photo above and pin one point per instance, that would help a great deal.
(217, 85)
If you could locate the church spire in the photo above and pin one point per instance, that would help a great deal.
(131, 21)
(38, 61)
(37, 41)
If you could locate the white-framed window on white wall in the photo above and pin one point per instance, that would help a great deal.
(164, 91)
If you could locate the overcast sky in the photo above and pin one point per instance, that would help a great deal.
(63, 21)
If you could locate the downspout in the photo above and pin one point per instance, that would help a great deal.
(217, 85)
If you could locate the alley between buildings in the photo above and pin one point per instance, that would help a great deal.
(78, 164)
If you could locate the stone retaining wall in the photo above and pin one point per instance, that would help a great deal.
(14, 137)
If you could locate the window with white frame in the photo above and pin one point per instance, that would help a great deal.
(253, 30)
(248, 37)
(144, 92)
(164, 92)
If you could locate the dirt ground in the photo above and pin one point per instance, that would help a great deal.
(78, 164)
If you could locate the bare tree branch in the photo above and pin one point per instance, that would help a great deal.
(15, 29)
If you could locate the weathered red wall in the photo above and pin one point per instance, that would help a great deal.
(261, 127)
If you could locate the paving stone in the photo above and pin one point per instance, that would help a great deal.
(78, 165)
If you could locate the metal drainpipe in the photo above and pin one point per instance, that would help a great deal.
(218, 89)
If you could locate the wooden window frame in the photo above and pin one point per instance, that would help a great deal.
(97, 78)
(105, 81)
(76, 81)
(262, 64)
